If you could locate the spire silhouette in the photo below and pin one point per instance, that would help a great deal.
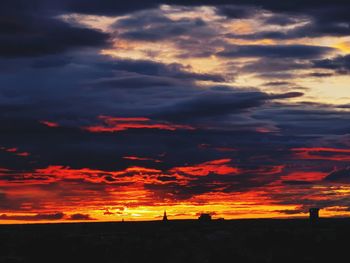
(165, 218)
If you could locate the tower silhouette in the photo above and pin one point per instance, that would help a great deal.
(314, 216)
(165, 218)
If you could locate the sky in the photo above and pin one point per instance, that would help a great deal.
(115, 110)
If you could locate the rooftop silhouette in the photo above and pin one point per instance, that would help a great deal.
(204, 217)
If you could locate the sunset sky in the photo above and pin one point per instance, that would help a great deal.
(114, 110)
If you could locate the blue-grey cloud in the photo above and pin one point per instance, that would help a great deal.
(275, 51)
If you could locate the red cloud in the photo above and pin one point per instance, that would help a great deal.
(23, 154)
(15, 151)
(50, 124)
(264, 130)
(11, 150)
(304, 176)
(98, 176)
(116, 124)
(217, 166)
(322, 153)
(135, 158)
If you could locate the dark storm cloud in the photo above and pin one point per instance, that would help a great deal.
(152, 68)
(42, 34)
(277, 83)
(37, 36)
(8, 204)
(99, 151)
(80, 217)
(51, 61)
(340, 64)
(275, 51)
(153, 25)
(281, 20)
(73, 147)
(291, 119)
(298, 198)
(332, 21)
(320, 75)
(37, 217)
(135, 82)
(23, 92)
(237, 12)
(326, 19)
(106, 7)
(219, 104)
(336, 10)
(164, 31)
(277, 66)
(292, 212)
(109, 7)
(339, 176)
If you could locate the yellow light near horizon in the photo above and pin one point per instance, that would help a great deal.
(332, 90)
(343, 46)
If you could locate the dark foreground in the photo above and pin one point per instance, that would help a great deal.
(178, 241)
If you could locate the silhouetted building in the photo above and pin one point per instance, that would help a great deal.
(314, 216)
(165, 218)
(204, 217)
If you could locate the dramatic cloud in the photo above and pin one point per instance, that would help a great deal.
(114, 110)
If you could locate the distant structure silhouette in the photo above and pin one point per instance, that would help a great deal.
(204, 217)
(314, 216)
(165, 218)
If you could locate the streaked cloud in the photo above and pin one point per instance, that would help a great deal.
(114, 110)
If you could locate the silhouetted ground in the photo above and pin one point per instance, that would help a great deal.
(178, 241)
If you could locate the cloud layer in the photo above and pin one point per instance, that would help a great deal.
(115, 110)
